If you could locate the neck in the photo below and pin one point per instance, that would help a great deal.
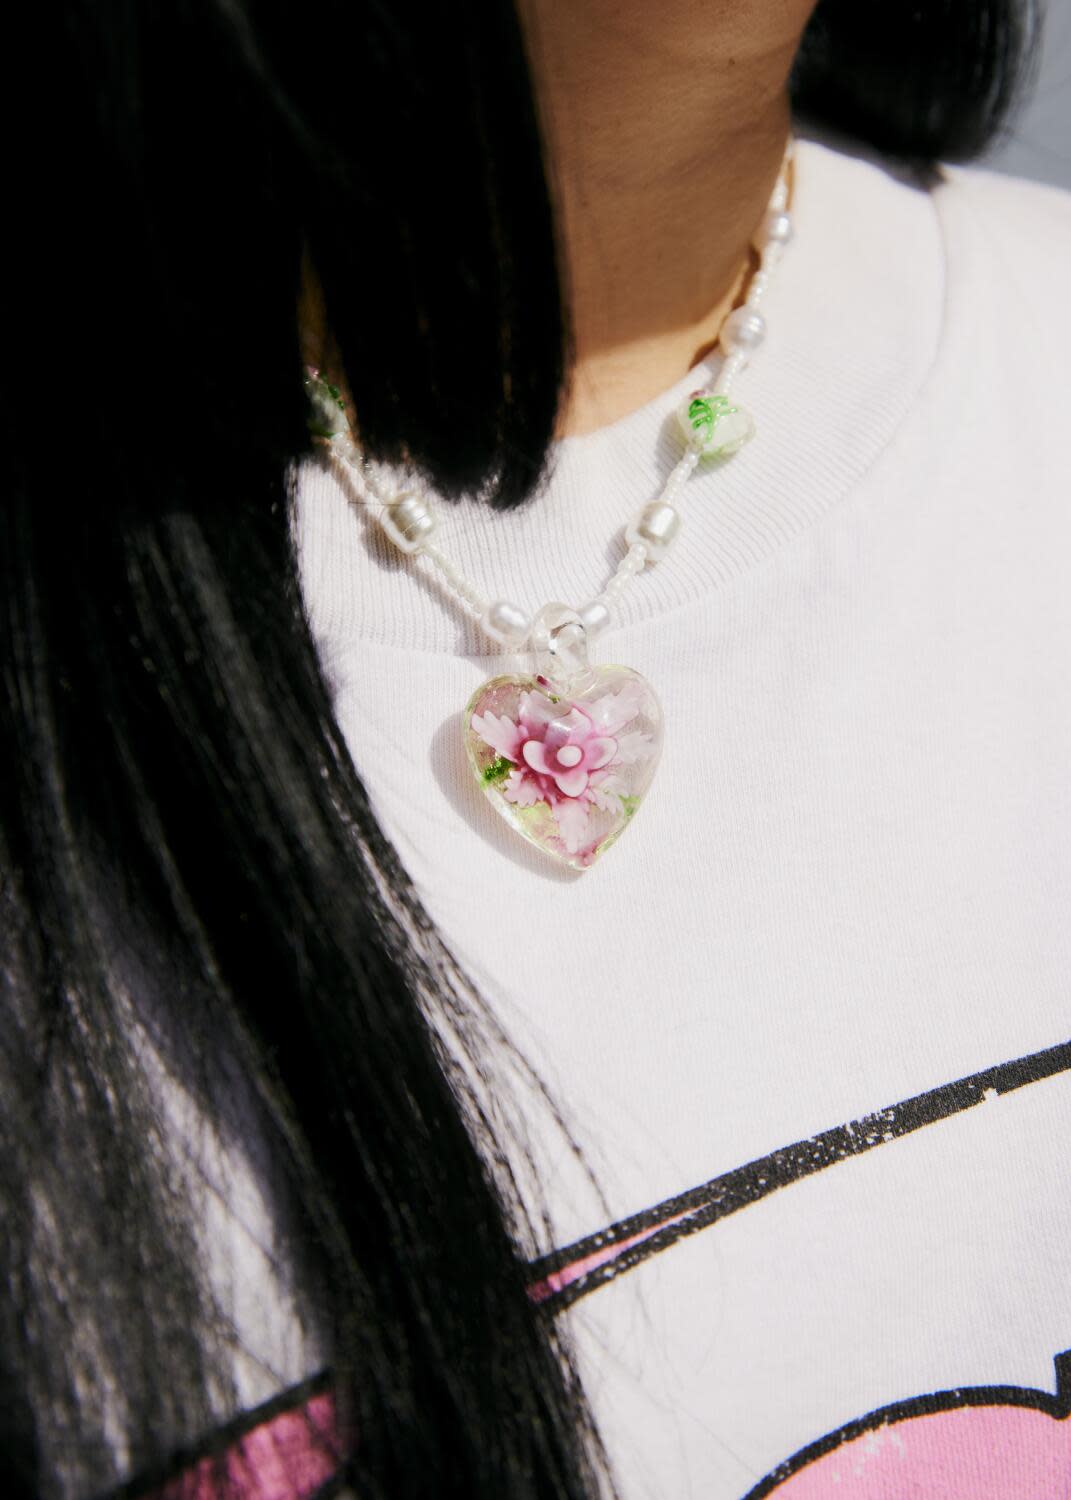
(665, 128)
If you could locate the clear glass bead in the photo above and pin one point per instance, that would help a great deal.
(559, 642)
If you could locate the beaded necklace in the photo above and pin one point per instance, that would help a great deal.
(567, 751)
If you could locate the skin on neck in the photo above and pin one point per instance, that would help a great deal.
(665, 127)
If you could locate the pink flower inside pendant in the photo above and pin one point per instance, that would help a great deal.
(565, 755)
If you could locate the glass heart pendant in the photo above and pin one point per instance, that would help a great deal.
(567, 752)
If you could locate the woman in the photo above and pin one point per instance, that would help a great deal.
(282, 1210)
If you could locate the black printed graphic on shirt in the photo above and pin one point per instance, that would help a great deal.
(975, 1442)
(564, 1276)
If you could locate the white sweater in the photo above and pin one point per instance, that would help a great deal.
(850, 883)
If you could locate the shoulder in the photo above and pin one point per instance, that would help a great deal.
(1013, 204)
(1007, 248)
(1022, 226)
(1004, 210)
(997, 247)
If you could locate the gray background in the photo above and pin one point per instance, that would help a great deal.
(1038, 141)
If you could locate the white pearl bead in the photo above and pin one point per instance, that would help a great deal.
(743, 331)
(409, 521)
(778, 228)
(655, 526)
(506, 623)
(570, 755)
(594, 616)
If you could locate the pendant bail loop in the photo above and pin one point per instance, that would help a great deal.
(559, 643)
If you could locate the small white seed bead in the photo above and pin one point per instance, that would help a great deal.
(409, 521)
(594, 616)
(655, 526)
(743, 331)
(778, 228)
(615, 587)
(674, 484)
(757, 290)
(506, 623)
(631, 564)
(734, 363)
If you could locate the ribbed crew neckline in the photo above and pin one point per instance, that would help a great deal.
(854, 315)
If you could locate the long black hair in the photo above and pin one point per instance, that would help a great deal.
(192, 877)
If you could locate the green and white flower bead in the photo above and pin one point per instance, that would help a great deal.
(327, 410)
(713, 424)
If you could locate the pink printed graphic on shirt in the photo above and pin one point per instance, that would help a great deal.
(290, 1455)
(556, 1281)
(978, 1443)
